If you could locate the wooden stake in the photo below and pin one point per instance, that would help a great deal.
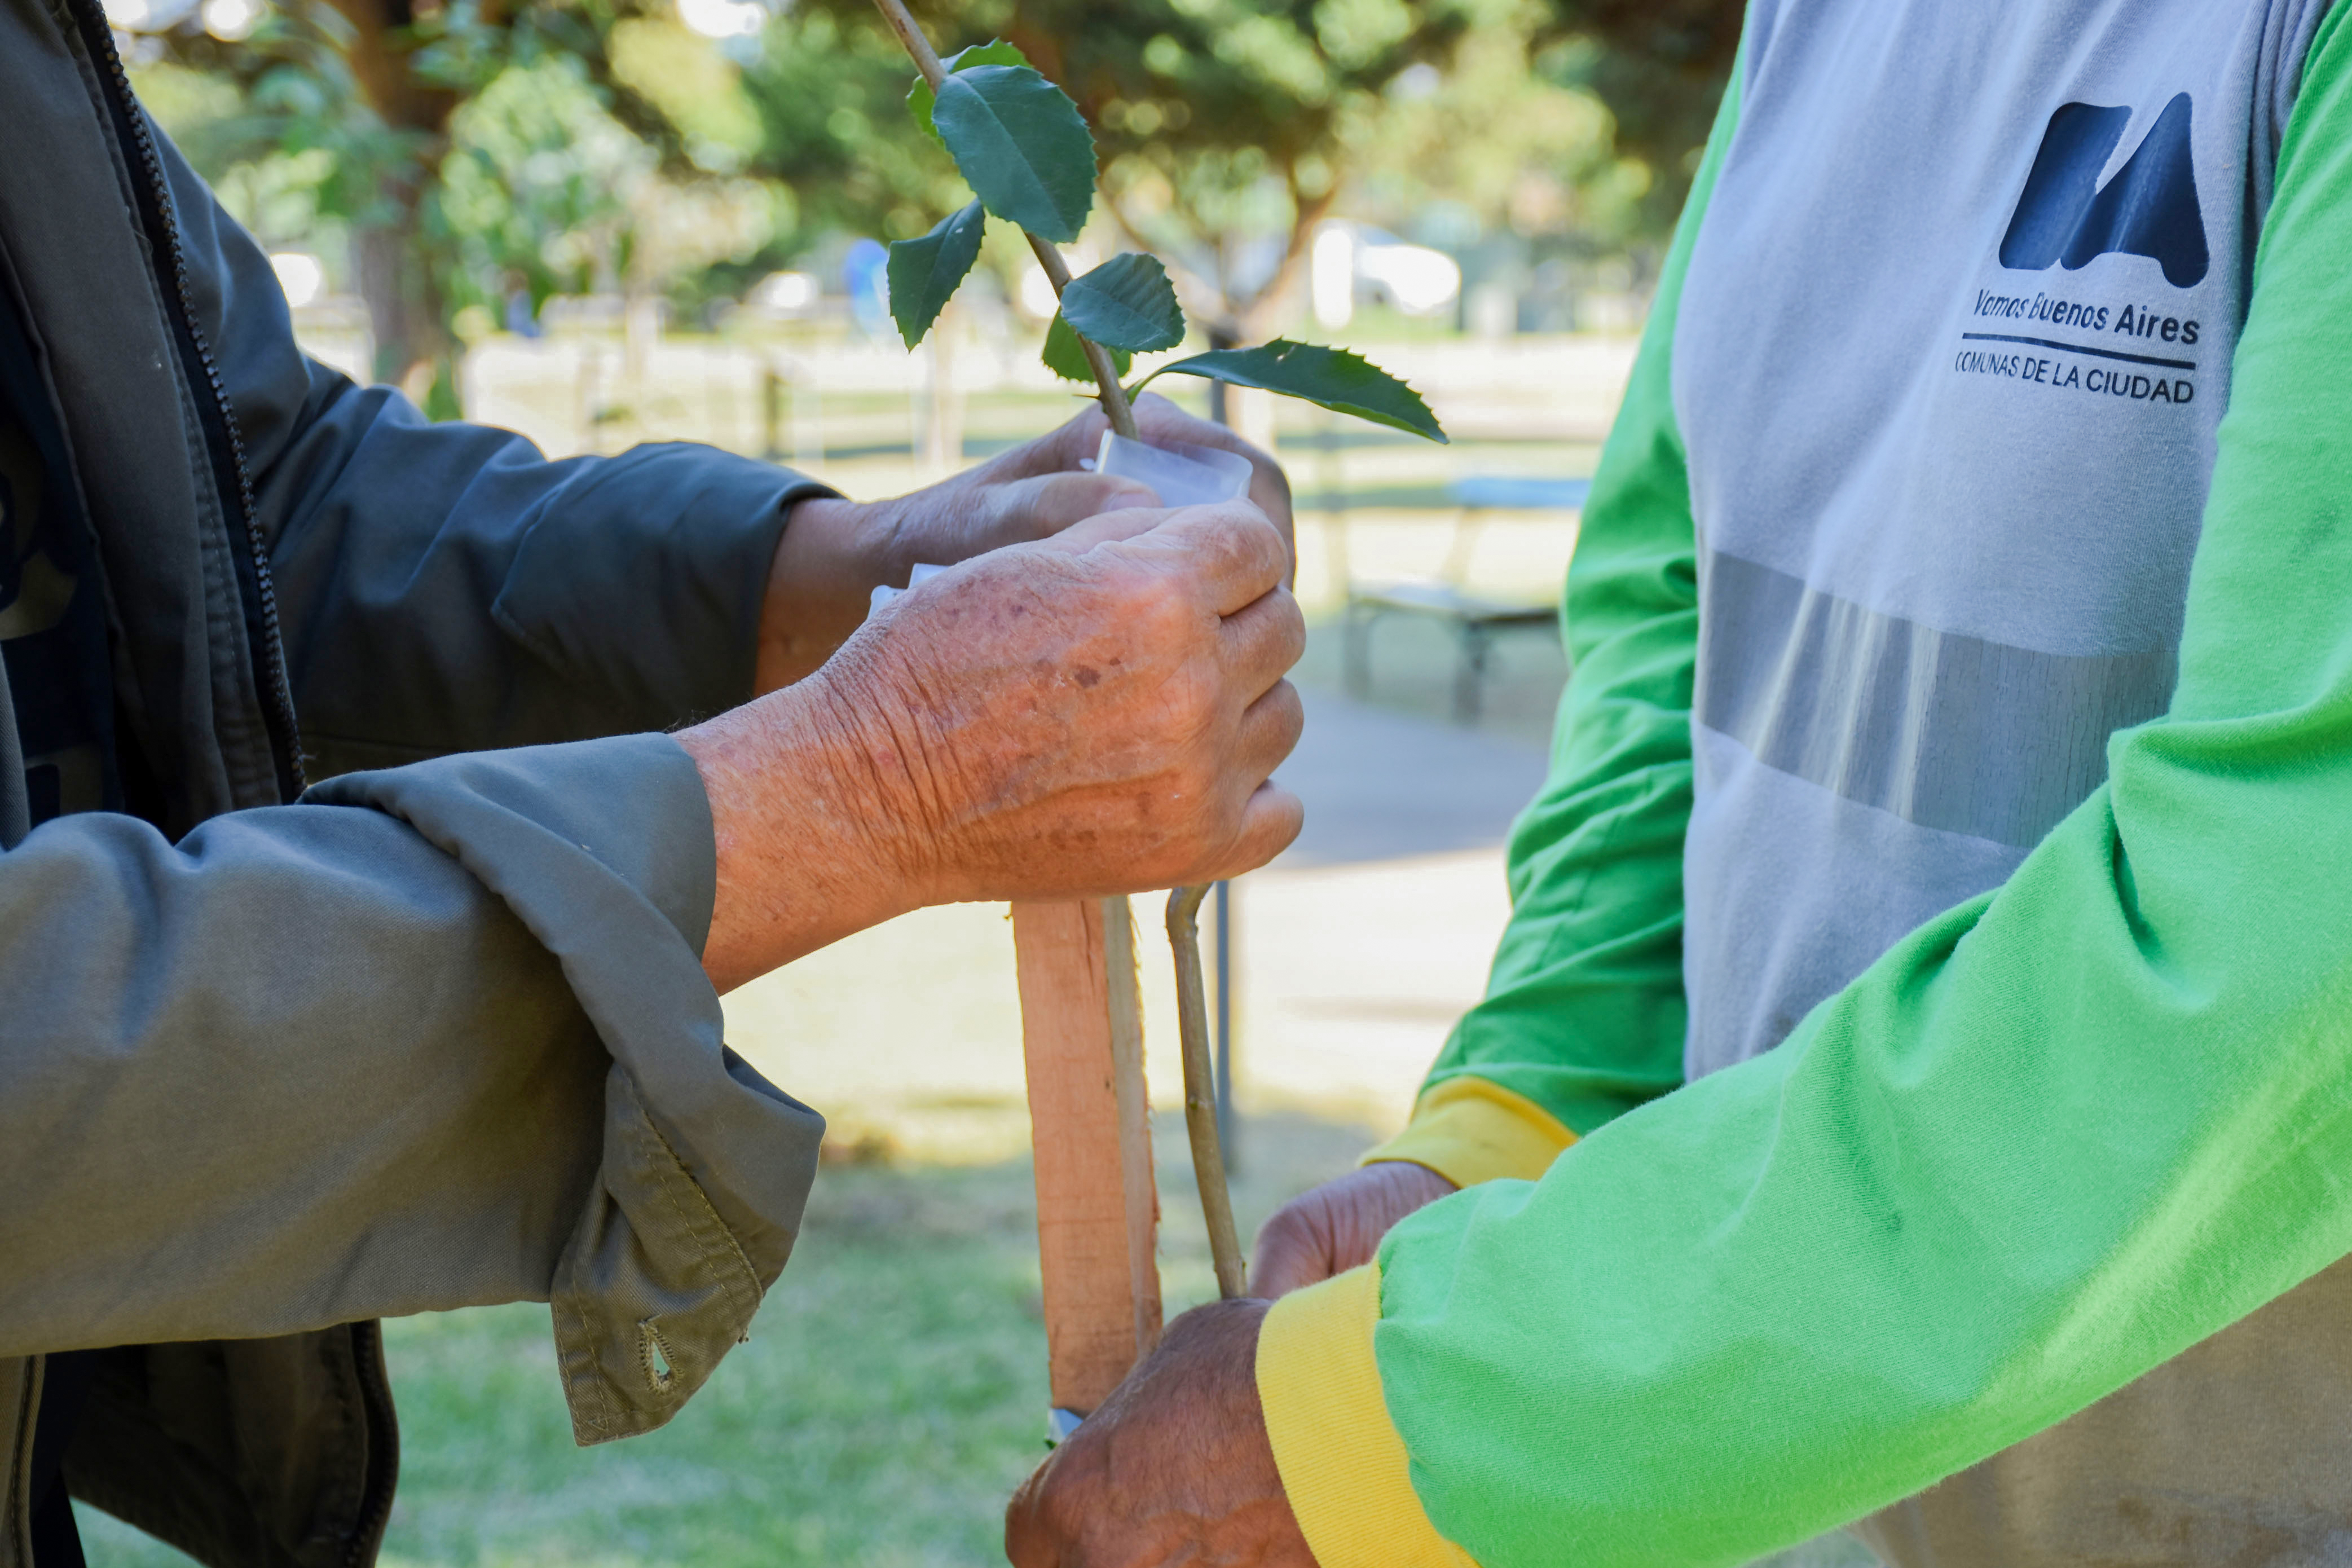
(1098, 1206)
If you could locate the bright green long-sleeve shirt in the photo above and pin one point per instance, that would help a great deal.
(2047, 1141)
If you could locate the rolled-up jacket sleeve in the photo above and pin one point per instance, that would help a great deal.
(437, 1035)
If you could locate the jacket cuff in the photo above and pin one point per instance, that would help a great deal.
(1344, 1468)
(1471, 1130)
(603, 851)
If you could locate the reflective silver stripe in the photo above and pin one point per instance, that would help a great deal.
(1947, 730)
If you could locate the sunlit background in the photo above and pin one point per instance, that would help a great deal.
(638, 219)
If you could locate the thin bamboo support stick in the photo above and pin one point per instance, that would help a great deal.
(1200, 1092)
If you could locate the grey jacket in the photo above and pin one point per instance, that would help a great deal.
(435, 1034)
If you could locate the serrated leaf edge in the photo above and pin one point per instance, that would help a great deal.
(1113, 301)
(939, 228)
(1190, 366)
(1029, 169)
(920, 97)
(1088, 378)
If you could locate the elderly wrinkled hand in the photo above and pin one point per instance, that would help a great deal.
(1338, 1226)
(1174, 1468)
(833, 553)
(1096, 712)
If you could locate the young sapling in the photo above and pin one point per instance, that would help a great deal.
(1025, 151)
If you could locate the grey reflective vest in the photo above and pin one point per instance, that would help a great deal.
(1951, 352)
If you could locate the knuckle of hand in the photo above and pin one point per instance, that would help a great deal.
(1253, 529)
(1198, 783)
(1159, 610)
(1256, 552)
(1293, 622)
(1290, 1227)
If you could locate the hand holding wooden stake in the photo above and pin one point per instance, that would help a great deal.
(1096, 712)
(1022, 147)
(1080, 1011)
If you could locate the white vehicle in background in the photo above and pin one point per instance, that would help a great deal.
(1354, 261)
(782, 296)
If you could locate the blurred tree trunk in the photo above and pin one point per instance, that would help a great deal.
(1260, 315)
(414, 348)
(1227, 317)
(408, 314)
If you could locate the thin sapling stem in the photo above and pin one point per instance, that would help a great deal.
(1057, 272)
(1201, 1093)
(1098, 360)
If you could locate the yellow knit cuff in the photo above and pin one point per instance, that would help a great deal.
(1342, 1463)
(1472, 1130)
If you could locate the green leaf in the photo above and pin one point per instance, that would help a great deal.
(1126, 303)
(1343, 382)
(1022, 146)
(1065, 358)
(995, 52)
(924, 272)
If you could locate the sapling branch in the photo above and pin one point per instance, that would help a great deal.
(918, 47)
(1057, 272)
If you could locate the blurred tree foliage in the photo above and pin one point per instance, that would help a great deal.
(469, 153)
(1575, 131)
(1499, 145)
(1222, 121)
(1660, 66)
(475, 152)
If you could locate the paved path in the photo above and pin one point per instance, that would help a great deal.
(1381, 786)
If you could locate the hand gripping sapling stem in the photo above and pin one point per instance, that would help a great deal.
(1025, 151)
(1081, 1008)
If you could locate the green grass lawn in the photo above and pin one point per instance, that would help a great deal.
(891, 1395)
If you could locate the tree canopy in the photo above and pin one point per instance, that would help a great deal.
(469, 150)
(1221, 120)
(1661, 67)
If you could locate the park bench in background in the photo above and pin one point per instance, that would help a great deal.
(1473, 618)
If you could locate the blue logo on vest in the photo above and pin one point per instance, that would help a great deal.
(2148, 209)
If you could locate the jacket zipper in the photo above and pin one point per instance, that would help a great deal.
(268, 651)
(384, 1446)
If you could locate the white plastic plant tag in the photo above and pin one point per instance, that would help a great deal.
(1179, 474)
(916, 577)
